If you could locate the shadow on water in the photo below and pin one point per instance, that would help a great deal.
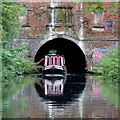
(61, 90)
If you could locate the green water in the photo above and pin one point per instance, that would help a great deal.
(95, 99)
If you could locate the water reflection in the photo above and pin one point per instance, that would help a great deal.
(60, 94)
(61, 90)
(78, 97)
(55, 88)
(95, 83)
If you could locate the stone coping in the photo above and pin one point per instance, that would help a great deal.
(84, 39)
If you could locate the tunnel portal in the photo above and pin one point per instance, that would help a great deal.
(74, 57)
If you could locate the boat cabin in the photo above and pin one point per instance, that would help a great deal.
(54, 60)
(54, 63)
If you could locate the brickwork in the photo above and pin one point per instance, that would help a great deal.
(88, 21)
(99, 30)
(38, 19)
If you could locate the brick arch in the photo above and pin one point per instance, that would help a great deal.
(56, 35)
(67, 46)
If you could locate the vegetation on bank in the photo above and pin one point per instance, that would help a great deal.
(13, 64)
(13, 61)
(108, 65)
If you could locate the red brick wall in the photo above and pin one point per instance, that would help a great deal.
(38, 18)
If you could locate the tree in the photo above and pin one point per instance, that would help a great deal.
(9, 24)
(109, 65)
(12, 62)
(98, 6)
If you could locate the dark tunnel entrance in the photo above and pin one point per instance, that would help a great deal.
(74, 57)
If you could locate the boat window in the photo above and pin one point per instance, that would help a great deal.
(55, 89)
(51, 88)
(47, 89)
(60, 89)
(51, 60)
(60, 61)
(47, 60)
(55, 60)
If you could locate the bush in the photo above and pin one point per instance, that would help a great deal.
(109, 65)
(13, 64)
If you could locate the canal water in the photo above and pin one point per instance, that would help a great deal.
(71, 96)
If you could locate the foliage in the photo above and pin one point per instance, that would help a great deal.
(109, 65)
(36, 35)
(97, 5)
(13, 63)
(52, 52)
(11, 11)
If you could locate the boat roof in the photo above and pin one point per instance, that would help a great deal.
(54, 55)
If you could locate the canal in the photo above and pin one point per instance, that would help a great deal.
(72, 96)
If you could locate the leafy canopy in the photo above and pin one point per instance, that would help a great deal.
(97, 6)
(9, 24)
(12, 62)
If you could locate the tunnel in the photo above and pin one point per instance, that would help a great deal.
(74, 57)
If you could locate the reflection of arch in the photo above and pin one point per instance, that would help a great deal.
(67, 46)
(73, 87)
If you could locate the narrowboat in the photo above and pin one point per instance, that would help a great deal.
(54, 64)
